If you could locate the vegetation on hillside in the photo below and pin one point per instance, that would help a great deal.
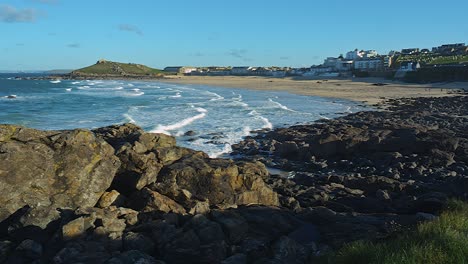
(118, 69)
(431, 59)
(444, 240)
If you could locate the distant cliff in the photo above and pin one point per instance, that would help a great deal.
(104, 68)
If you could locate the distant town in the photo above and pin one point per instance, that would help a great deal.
(362, 63)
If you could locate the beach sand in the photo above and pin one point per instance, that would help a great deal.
(357, 89)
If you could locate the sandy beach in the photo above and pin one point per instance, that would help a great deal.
(358, 89)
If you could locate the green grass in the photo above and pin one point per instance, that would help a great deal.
(444, 240)
(450, 59)
(429, 59)
(116, 68)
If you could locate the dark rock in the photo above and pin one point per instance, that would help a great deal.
(30, 248)
(49, 170)
(236, 259)
(136, 241)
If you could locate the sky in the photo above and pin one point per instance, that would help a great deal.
(70, 34)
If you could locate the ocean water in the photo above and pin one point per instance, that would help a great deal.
(217, 116)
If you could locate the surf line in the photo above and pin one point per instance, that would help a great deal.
(165, 129)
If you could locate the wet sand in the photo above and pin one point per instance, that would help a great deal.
(358, 89)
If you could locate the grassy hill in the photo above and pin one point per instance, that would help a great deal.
(430, 59)
(110, 68)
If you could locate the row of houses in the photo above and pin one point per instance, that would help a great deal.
(236, 71)
(355, 60)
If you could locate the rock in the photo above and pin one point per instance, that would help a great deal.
(111, 198)
(287, 250)
(147, 200)
(221, 182)
(142, 155)
(133, 256)
(74, 229)
(6, 248)
(238, 258)
(234, 226)
(184, 247)
(46, 170)
(30, 249)
(190, 133)
(207, 231)
(382, 195)
(136, 241)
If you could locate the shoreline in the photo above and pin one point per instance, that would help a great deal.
(372, 91)
(362, 90)
(379, 172)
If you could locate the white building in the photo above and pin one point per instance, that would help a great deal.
(354, 55)
(370, 54)
(241, 70)
(330, 62)
(369, 64)
(344, 65)
(318, 70)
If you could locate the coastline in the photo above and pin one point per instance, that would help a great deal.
(359, 89)
(366, 176)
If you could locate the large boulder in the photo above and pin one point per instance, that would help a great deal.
(142, 155)
(222, 182)
(45, 170)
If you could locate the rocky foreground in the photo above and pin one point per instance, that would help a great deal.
(120, 195)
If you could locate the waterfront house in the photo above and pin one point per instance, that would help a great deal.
(241, 70)
(410, 66)
(369, 64)
(180, 69)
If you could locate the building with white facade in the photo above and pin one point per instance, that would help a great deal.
(241, 70)
(354, 55)
(369, 64)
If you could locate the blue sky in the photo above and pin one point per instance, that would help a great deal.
(67, 34)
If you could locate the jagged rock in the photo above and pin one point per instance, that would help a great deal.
(221, 182)
(147, 200)
(133, 256)
(236, 259)
(111, 198)
(234, 226)
(136, 241)
(287, 250)
(30, 249)
(73, 229)
(46, 170)
(142, 154)
(5, 249)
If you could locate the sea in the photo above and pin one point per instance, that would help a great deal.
(205, 118)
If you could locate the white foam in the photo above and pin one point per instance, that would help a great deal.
(68, 89)
(165, 129)
(279, 105)
(128, 118)
(130, 85)
(177, 95)
(217, 97)
(56, 81)
(136, 90)
(226, 149)
(136, 94)
(267, 123)
(76, 82)
(84, 87)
